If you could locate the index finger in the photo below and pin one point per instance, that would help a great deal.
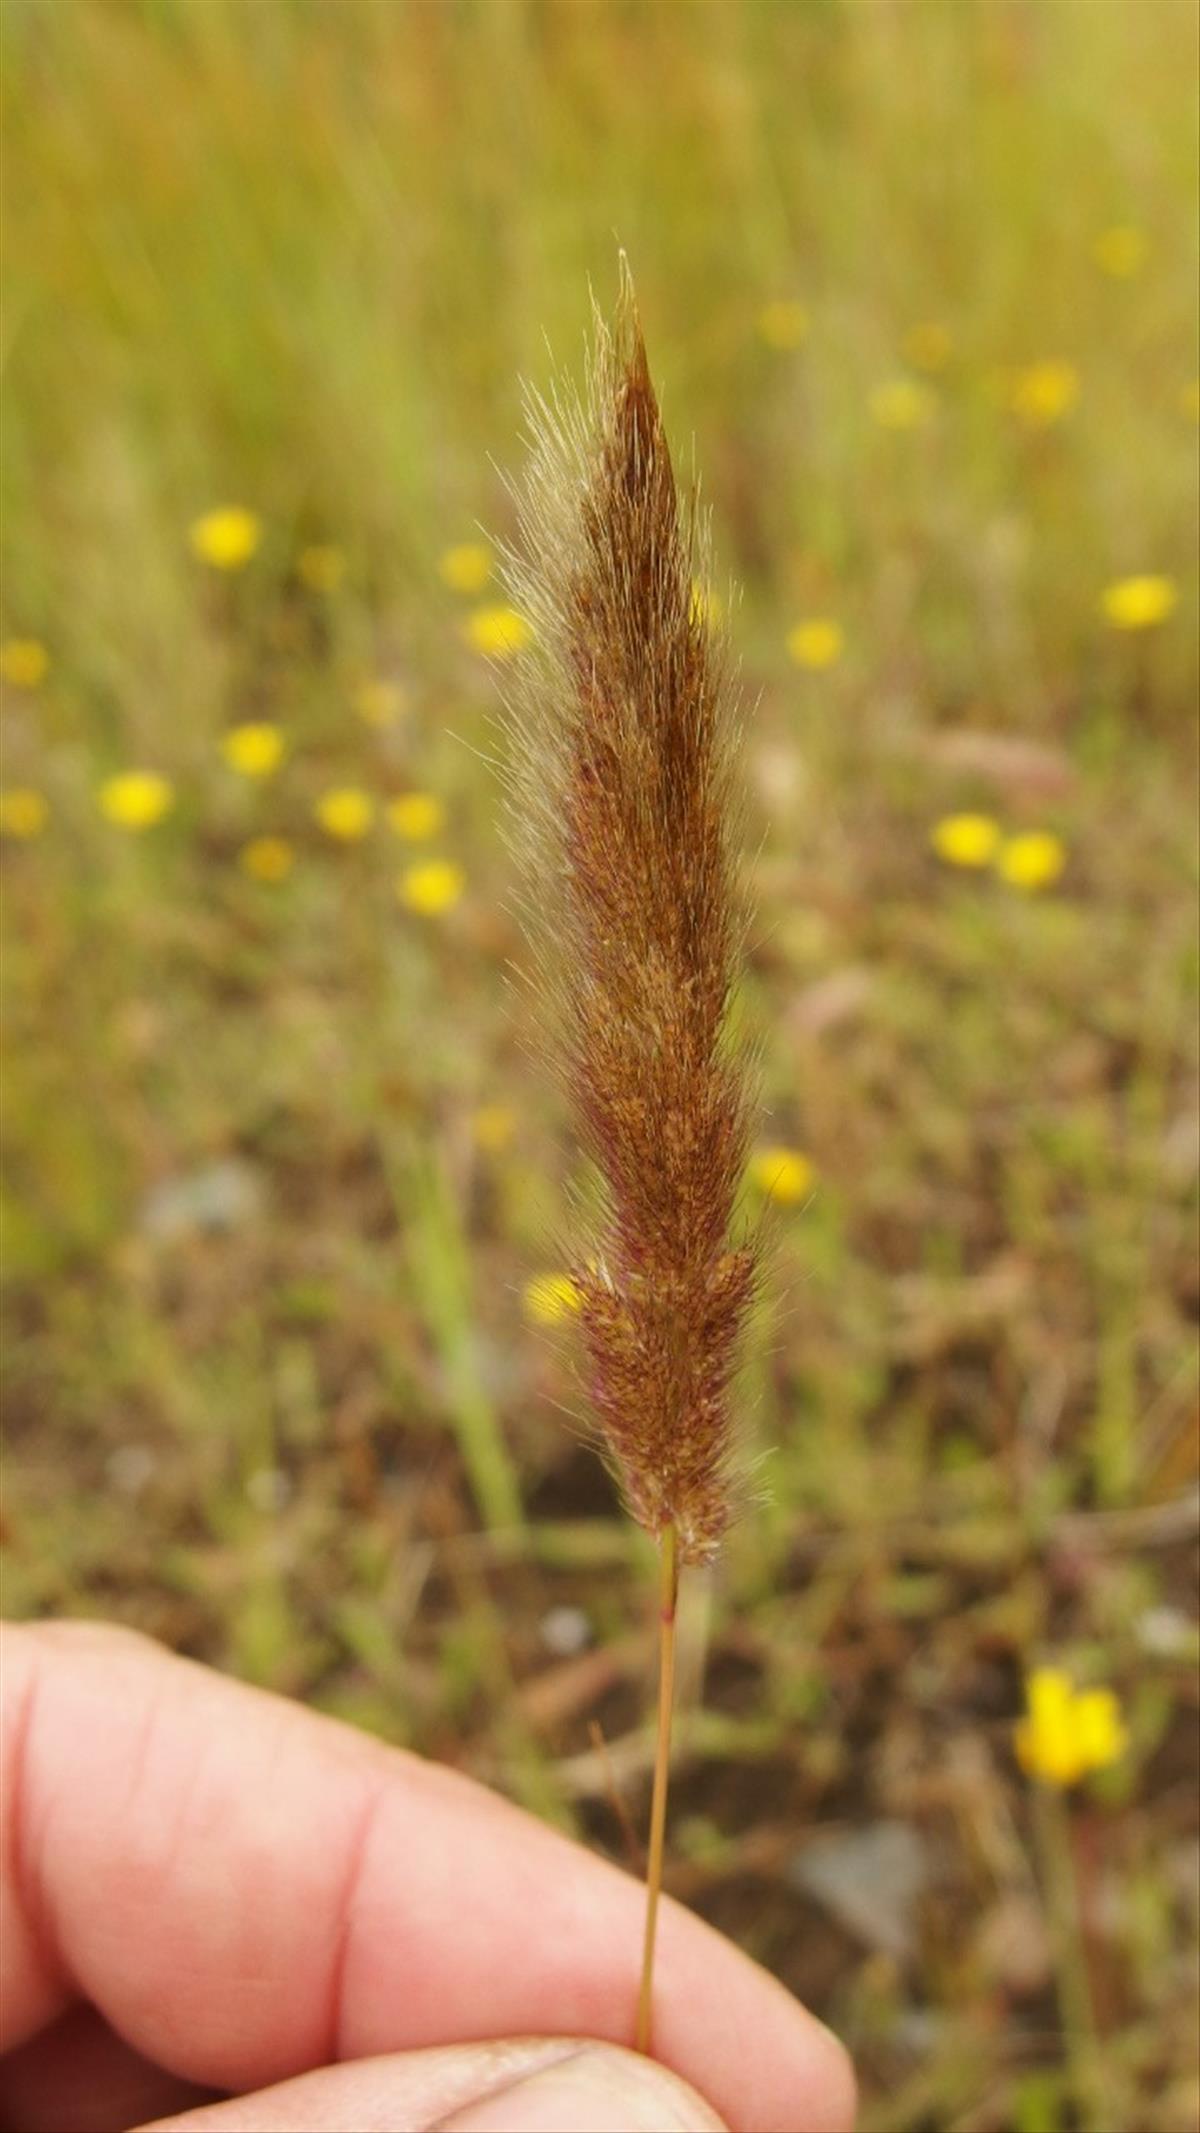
(247, 1890)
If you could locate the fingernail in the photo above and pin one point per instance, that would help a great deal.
(597, 2090)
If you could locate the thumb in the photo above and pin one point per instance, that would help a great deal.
(591, 2088)
(523, 2085)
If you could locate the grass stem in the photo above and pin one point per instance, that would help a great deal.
(1080, 2036)
(668, 1593)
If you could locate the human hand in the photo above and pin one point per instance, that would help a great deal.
(208, 1889)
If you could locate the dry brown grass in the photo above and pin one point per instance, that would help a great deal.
(623, 795)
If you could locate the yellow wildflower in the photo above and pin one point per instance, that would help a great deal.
(226, 538)
(966, 840)
(1042, 393)
(254, 750)
(493, 1126)
(431, 888)
(1102, 1732)
(1138, 603)
(929, 346)
(783, 324)
(345, 813)
(380, 703)
(816, 643)
(466, 567)
(1068, 1731)
(23, 812)
(783, 1174)
(705, 605)
(901, 404)
(1033, 860)
(1119, 251)
(321, 567)
(416, 816)
(267, 858)
(549, 1298)
(24, 661)
(497, 631)
(136, 799)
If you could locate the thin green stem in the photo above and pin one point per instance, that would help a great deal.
(668, 1593)
(1052, 1819)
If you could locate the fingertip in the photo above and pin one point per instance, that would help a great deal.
(766, 2061)
(835, 2084)
(590, 2091)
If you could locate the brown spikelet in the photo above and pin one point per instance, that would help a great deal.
(624, 720)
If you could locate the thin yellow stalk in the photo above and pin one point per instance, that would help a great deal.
(668, 1593)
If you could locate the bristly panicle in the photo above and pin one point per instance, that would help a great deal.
(624, 722)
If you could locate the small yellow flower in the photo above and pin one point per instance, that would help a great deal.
(498, 632)
(267, 858)
(23, 812)
(24, 661)
(705, 605)
(1138, 603)
(901, 404)
(254, 750)
(493, 1126)
(1068, 1732)
(226, 538)
(379, 703)
(435, 886)
(1034, 860)
(321, 567)
(136, 799)
(416, 816)
(816, 643)
(549, 1298)
(1120, 251)
(783, 1174)
(966, 840)
(345, 813)
(929, 346)
(1042, 393)
(466, 567)
(1103, 1734)
(783, 324)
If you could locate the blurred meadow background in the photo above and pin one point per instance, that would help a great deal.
(282, 1382)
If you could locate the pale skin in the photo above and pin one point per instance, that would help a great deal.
(210, 1893)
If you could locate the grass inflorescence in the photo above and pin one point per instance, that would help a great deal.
(625, 722)
(623, 793)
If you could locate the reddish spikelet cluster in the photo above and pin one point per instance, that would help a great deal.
(625, 722)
